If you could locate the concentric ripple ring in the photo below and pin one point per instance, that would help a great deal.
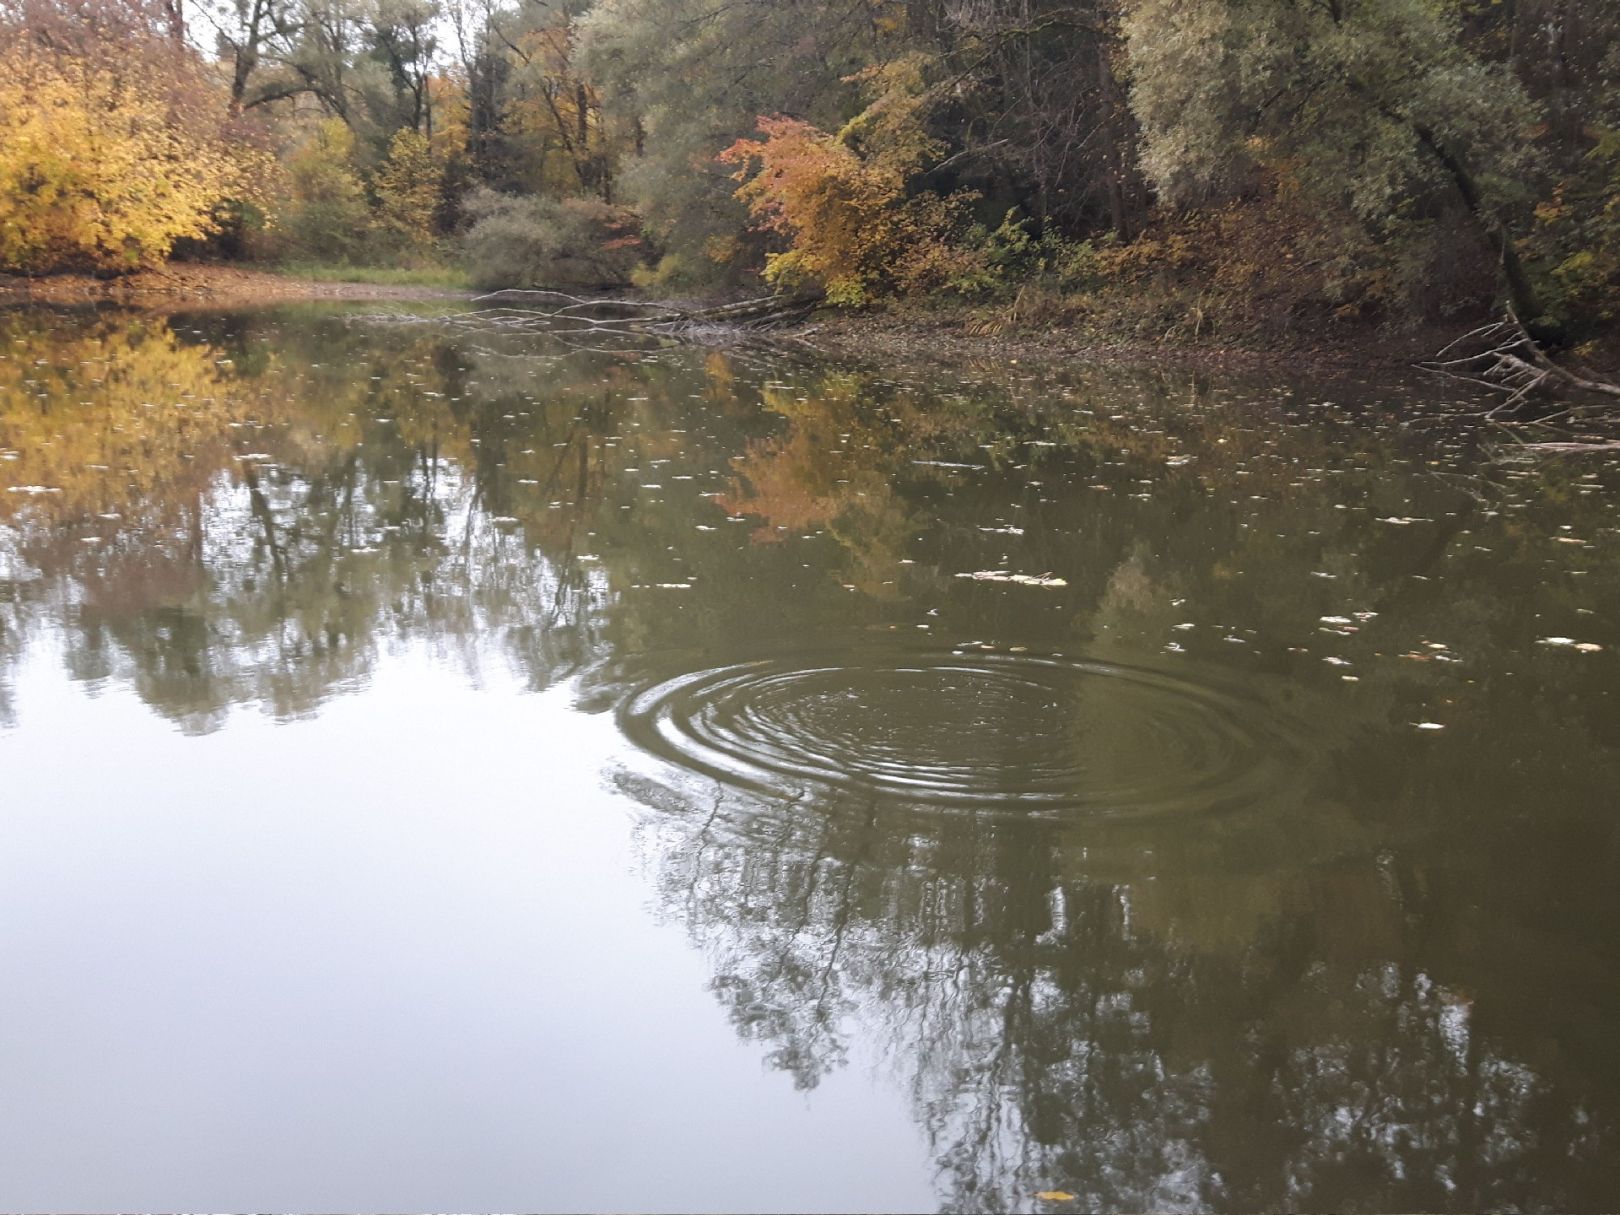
(1012, 732)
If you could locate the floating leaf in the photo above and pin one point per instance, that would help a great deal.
(1017, 579)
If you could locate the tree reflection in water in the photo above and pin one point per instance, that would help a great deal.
(1386, 983)
(1139, 1017)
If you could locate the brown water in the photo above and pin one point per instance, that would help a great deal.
(445, 769)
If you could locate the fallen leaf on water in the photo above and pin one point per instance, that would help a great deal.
(1019, 579)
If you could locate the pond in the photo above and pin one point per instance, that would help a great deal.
(444, 768)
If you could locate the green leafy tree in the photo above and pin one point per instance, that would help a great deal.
(1377, 103)
(328, 217)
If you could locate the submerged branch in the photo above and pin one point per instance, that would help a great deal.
(579, 321)
(649, 315)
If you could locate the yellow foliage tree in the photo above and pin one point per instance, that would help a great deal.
(109, 156)
(408, 186)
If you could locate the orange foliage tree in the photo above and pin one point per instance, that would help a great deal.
(842, 201)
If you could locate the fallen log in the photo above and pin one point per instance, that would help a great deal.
(1503, 357)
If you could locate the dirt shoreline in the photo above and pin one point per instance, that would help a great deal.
(200, 283)
(950, 335)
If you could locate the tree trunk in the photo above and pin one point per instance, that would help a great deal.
(1521, 293)
(1108, 84)
(177, 21)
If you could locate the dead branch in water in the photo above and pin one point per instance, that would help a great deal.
(640, 316)
(1562, 448)
(1504, 358)
(613, 324)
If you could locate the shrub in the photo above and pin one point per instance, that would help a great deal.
(1576, 241)
(1017, 251)
(523, 241)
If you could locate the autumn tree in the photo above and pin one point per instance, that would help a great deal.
(689, 77)
(246, 35)
(401, 40)
(407, 189)
(849, 205)
(491, 153)
(553, 105)
(1566, 54)
(113, 142)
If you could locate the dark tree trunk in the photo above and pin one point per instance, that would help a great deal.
(1521, 293)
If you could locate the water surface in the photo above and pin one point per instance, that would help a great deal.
(443, 768)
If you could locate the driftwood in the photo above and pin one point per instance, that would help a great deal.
(1563, 448)
(1504, 358)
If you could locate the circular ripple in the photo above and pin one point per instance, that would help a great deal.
(1013, 732)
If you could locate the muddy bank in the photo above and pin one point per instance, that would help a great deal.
(935, 333)
(176, 284)
(932, 332)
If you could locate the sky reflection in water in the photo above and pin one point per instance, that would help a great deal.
(444, 771)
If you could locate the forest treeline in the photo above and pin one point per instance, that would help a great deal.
(1172, 166)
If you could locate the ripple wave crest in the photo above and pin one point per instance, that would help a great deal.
(1018, 733)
